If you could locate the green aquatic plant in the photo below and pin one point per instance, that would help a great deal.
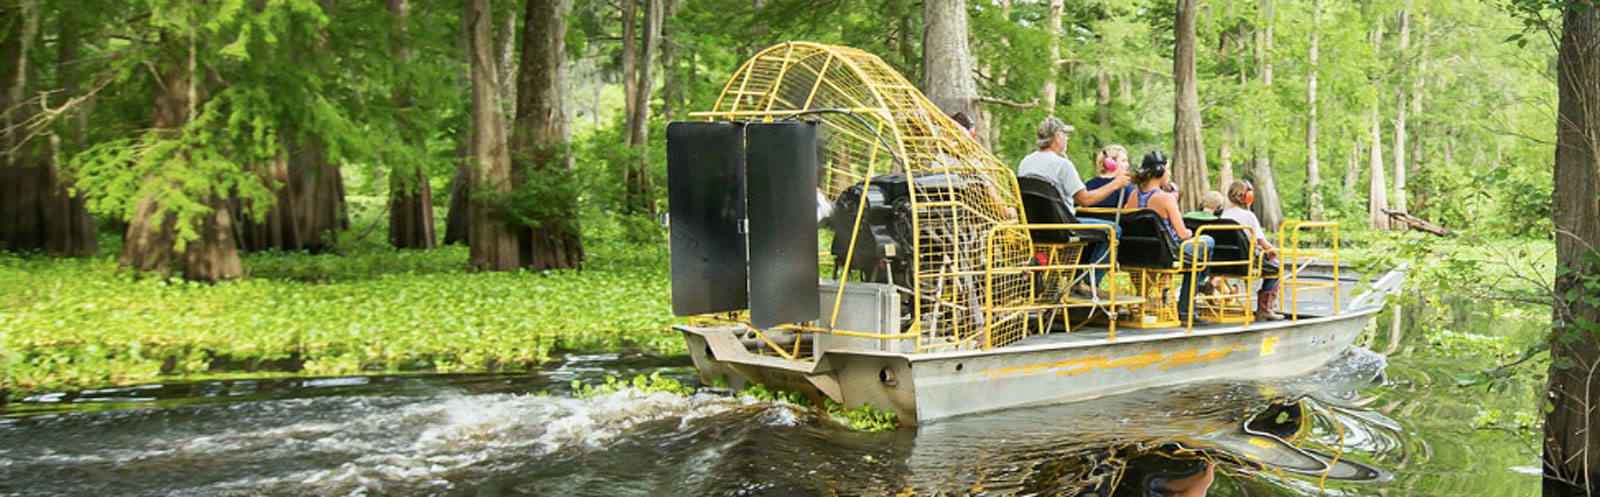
(73, 323)
(654, 383)
(862, 418)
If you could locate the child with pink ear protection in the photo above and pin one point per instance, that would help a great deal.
(1107, 162)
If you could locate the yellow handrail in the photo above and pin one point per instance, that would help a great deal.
(1203, 261)
(1292, 254)
(989, 269)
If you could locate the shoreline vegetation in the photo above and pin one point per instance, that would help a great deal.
(83, 323)
(80, 323)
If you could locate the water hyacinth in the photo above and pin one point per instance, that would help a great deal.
(82, 322)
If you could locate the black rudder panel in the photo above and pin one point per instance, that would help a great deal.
(782, 182)
(705, 205)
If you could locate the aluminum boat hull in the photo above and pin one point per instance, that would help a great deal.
(1043, 369)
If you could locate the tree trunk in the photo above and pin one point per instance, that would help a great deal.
(1047, 94)
(1188, 151)
(152, 243)
(539, 142)
(1401, 104)
(640, 197)
(1267, 207)
(1313, 162)
(1352, 168)
(410, 196)
(309, 210)
(505, 63)
(37, 209)
(630, 36)
(455, 221)
(1225, 154)
(1571, 442)
(671, 86)
(1102, 104)
(493, 244)
(946, 62)
(23, 184)
(1377, 193)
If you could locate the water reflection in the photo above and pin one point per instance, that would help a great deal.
(1300, 431)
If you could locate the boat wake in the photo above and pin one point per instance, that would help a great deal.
(335, 446)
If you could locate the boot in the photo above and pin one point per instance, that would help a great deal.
(1264, 305)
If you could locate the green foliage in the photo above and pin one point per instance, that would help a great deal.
(653, 383)
(82, 322)
(864, 417)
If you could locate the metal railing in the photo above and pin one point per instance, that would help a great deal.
(1202, 261)
(995, 312)
(1296, 258)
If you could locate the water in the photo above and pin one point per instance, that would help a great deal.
(1369, 424)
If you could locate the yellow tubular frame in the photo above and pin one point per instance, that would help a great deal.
(1251, 267)
(989, 272)
(1290, 254)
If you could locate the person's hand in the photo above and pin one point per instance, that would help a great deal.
(1121, 178)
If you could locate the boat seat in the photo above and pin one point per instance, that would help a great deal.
(1231, 245)
(1042, 204)
(1146, 241)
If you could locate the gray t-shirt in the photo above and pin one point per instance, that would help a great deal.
(1057, 170)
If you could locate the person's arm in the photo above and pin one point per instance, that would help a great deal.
(1167, 206)
(1091, 197)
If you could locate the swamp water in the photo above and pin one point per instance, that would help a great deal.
(1385, 421)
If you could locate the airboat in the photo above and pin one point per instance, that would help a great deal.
(833, 233)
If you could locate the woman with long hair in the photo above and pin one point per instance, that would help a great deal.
(1240, 195)
(1149, 180)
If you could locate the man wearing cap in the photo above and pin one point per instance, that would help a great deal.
(1050, 163)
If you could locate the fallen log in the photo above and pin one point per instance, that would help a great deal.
(1415, 222)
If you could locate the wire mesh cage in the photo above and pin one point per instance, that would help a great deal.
(876, 123)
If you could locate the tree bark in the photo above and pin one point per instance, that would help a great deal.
(151, 243)
(1047, 94)
(671, 86)
(1313, 162)
(1571, 443)
(37, 209)
(539, 143)
(410, 196)
(493, 244)
(946, 61)
(1102, 104)
(630, 26)
(1225, 154)
(1401, 103)
(1188, 151)
(640, 197)
(1377, 193)
(1352, 168)
(1267, 208)
(309, 210)
(455, 221)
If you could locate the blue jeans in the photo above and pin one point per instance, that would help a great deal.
(1098, 254)
(1268, 284)
(1206, 243)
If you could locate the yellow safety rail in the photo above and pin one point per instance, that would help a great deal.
(1202, 261)
(994, 273)
(1293, 255)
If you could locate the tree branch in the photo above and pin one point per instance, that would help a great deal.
(1007, 103)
